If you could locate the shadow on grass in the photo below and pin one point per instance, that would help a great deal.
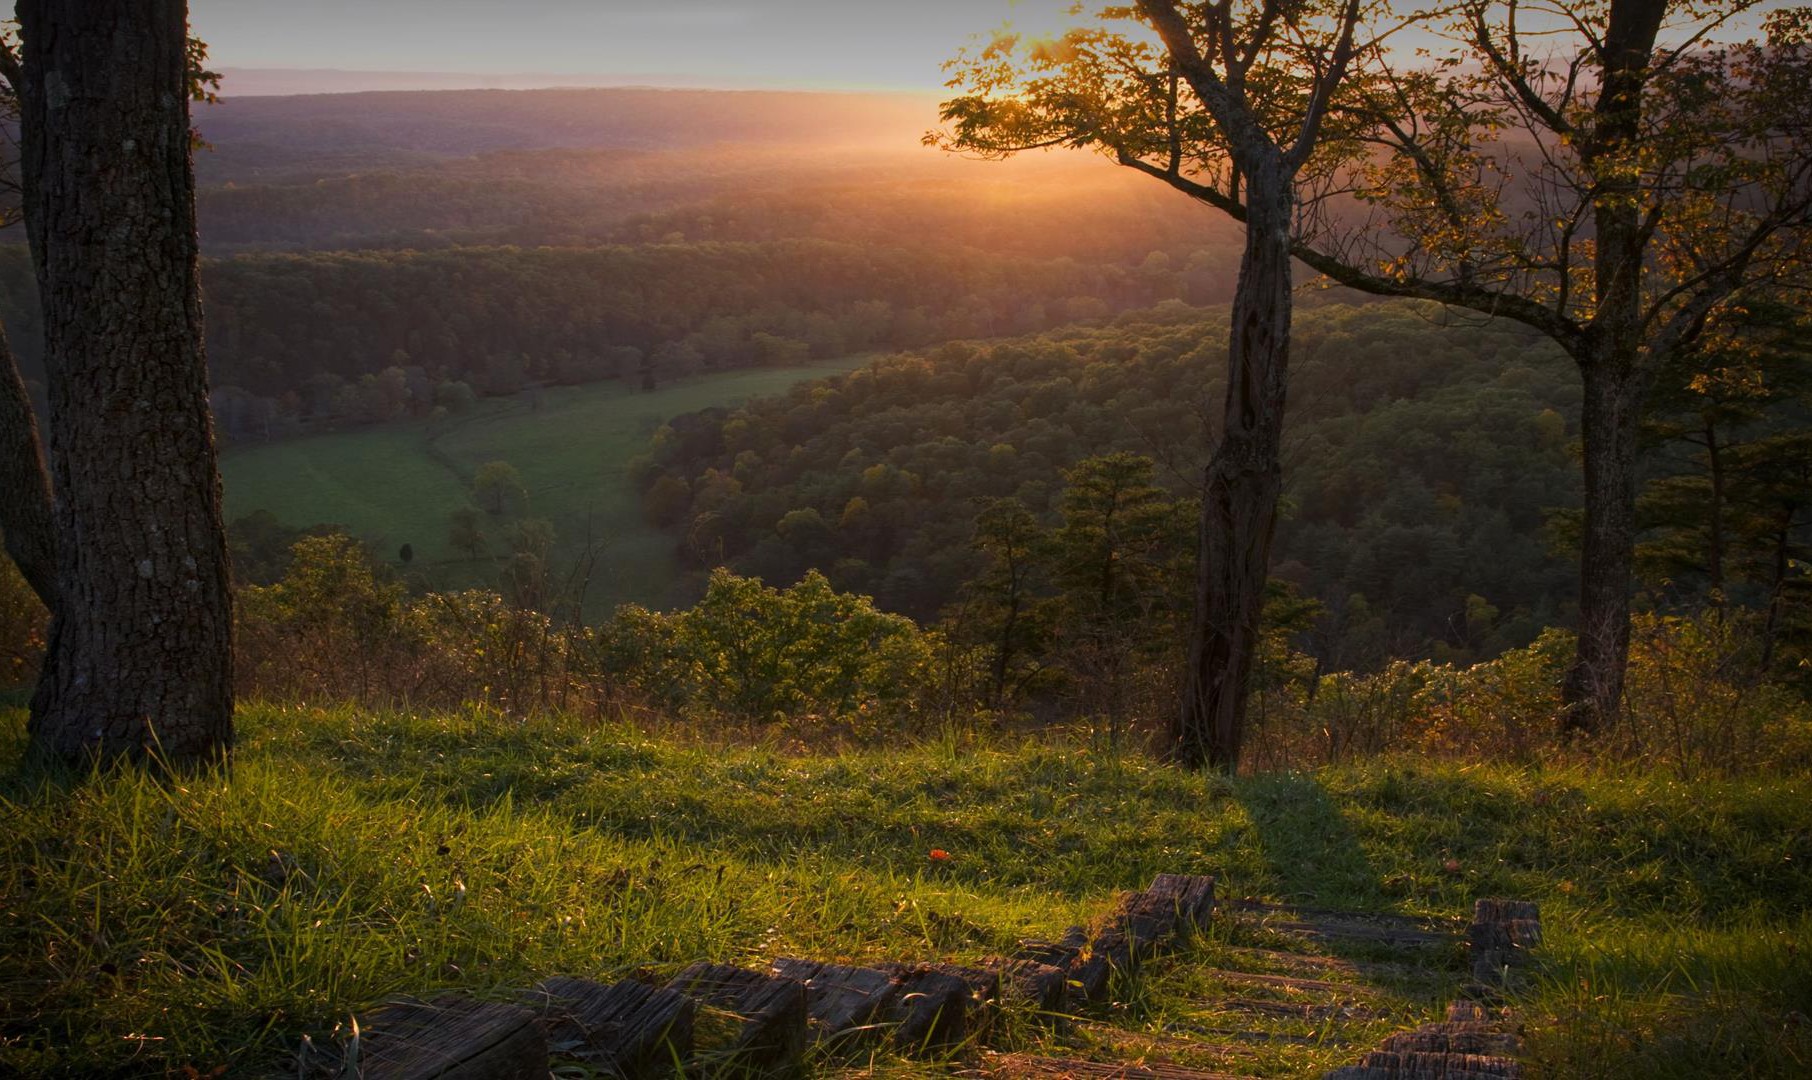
(1313, 854)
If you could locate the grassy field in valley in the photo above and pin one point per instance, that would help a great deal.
(151, 925)
(397, 483)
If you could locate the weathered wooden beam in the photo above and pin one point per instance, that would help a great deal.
(766, 1016)
(1384, 1065)
(1008, 1066)
(1144, 924)
(629, 1028)
(931, 1010)
(981, 993)
(922, 1008)
(449, 1038)
(1468, 1046)
(1193, 895)
(1067, 954)
(1501, 937)
(1028, 982)
(1454, 1038)
(841, 1002)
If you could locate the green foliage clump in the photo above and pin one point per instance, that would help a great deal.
(337, 629)
(1697, 704)
(755, 654)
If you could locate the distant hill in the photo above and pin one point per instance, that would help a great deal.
(256, 137)
(282, 82)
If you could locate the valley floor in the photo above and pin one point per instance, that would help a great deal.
(213, 921)
(399, 483)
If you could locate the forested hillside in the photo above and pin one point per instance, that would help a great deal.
(1424, 459)
(372, 336)
(427, 247)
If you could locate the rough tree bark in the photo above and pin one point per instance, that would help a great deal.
(1616, 376)
(1609, 421)
(1243, 480)
(142, 638)
(25, 507)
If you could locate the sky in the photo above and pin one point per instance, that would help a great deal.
(807, 44)
(442, 44)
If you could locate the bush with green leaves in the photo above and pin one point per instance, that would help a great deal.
(335, 629)
(755, 654)
(1697, 702)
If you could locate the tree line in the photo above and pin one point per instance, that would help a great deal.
(349, 338)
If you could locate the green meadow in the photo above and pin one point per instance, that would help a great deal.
(156, 925)
(397, 483)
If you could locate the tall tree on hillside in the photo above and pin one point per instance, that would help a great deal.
(1719, 417)
(1116, 562)
(1613, 176)
(1601, 172)
(1239, 93)
(140, 654)
(25, 500)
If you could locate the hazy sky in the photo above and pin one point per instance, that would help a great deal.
(853, 44)
(809, 44)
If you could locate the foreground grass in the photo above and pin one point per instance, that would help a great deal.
(398, 483)
(146, 926)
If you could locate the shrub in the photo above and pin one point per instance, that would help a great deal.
(756, 654)
(1695, 704)
(333, 629)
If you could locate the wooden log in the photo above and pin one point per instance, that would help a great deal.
(1384, 1065)
(1501, 937)
(1192, 894)
(842, 1002)
(981, 992)
(630, 1028)
(1028, 982)
(1454, 1038)
(449, 1038)
(1060, 954)
(767, 1015)
(930, 1010)
(921, 1007)
(1027, 1065)
(1143, 925)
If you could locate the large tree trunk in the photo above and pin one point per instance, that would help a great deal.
(1615, 380)
(1240, 490)
(25, 515)
(143, 631)
(1593, 689)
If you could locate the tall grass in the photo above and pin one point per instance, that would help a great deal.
(149, 924)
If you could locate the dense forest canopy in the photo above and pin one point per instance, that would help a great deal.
(1423, 461)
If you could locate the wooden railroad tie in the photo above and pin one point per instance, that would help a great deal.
(453, 1037)
(719, 1018)
(750, 1021)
